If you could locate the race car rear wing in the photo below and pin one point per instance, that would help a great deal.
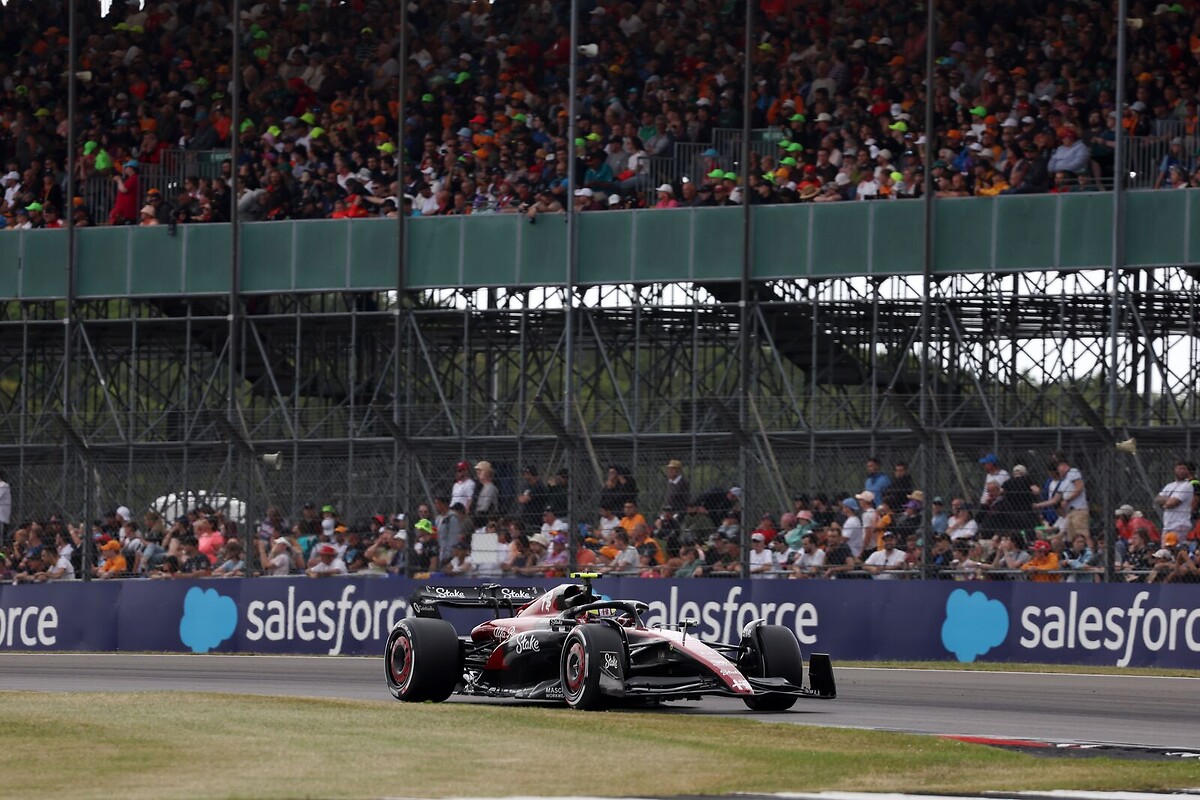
(425, 601)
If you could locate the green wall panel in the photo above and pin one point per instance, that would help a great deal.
(434, 257)
(374, 253)
(1086, 225)
(44, 264)
(662, 246)
(781, 241)
(1038, 232)
(962, 234)
(10, 264)
(1155, 226)
(897, 237)
(1025, 231)
(543, 253)
(839, 245)
(490, 256)
(605, 246)
(320, 251)
(267, 257)
(156, 261)
(717, 248)
(102, 262)
(207, 256)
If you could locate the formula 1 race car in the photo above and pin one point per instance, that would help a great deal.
(592, 652)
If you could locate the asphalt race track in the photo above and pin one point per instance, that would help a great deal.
(1092, 708)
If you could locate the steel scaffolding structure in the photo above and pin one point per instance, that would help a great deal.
(373, 397)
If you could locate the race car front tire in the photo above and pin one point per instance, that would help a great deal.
(423, 660)
(582, 662)
(772, 651)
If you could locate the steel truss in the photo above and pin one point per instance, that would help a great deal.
(371, 397)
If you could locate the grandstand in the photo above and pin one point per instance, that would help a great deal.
(377, 329)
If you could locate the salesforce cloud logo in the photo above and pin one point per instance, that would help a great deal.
(974, 624)
(209, 618)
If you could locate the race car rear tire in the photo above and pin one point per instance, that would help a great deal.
(582, 662)
(423, 660)
(772, 651)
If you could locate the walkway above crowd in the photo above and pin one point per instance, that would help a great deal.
(1024, 103)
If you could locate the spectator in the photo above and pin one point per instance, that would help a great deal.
(463, 492)
(461, 564)
(551, 524)
(488, 501)
(618, 557)
(678, 493)
(876, 482)
(327, 562)
(762, 559)
(1044, 563)
(281, 558)
(811, 560)
(233, 562)
(113, 564)
(1175, 499)
(852, 527)
(995, 474)
(618, 489)
(532, 498)
(883, 563)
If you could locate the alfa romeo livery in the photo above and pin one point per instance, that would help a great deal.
(588, 651)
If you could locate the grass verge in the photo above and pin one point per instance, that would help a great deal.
(153, 745)
(1066, 669)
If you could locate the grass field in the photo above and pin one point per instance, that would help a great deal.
(202, 745)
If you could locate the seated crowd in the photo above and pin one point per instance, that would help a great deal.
(1019, 529)
(1023, 103)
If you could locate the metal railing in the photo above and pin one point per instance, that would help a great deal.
(167, 176)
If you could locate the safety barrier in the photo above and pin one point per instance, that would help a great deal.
(1122, 625)
(1000, 234)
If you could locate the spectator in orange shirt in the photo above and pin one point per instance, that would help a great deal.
(632, 517)
(114, 564)
(1044, 560)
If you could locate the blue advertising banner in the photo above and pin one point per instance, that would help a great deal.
(1122, 625)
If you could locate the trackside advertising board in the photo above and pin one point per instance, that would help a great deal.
(1122, 625)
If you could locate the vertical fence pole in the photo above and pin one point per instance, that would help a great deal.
(927, 196)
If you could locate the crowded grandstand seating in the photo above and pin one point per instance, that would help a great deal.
(882, 532)
(1024, 103)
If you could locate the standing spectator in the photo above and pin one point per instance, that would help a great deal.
(619, 488)
(852, 527)
(1176, 502)
(488, 501)
(901, 486)
(869, 516)
(876, 482)
(124, 210)
(531, 499)
(678, 492)
(1069, 496)
(995, 474)
(557, 488)
(463, 492)
(5, 508)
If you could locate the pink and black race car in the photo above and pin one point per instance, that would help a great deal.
(592, 652)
